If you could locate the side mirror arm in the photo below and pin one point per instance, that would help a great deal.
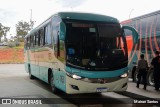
(134, 33)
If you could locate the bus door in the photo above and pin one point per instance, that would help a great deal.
(31, 54)
(60, 68)
(59, 49)
(36, 55)
(28, 48)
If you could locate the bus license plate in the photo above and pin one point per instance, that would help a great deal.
(101, 89)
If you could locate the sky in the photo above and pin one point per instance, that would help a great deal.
(12, 11)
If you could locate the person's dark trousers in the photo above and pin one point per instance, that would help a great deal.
(156, 80)
(142, 73)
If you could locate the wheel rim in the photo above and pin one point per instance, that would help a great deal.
(151, 79)
(136, 76)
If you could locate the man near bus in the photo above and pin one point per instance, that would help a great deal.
(142, 71)
(156, 74)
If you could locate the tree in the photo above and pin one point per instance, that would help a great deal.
(22, 29)
(3, 32)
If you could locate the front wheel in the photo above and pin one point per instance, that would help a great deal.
(52, 84)
(135, 78)
(134, 74)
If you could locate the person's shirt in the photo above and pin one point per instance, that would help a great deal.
(142, 64)
(156, 63)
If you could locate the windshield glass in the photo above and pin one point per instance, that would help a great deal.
(95, 46)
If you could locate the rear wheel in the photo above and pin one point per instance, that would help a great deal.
(150, 78)
(52, 84)
(134, 74)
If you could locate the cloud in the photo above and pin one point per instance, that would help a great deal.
(70, 3)
(7, 16)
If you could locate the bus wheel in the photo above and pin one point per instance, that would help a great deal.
(150, 79)
(30, 74)
(135, 76)
(52, 84)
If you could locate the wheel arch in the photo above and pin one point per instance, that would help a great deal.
(49, 74)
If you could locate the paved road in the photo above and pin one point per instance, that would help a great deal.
(15, 83)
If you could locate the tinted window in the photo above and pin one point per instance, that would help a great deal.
(158, 25)
(55, 31)
(32, 41)
(42, 39)
(48, 35)
(37, 38)
(28, 42)
(62, 51)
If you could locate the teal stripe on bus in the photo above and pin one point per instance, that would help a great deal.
(97, 74)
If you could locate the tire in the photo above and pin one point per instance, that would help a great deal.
(52, 84)
(30, 74)
(134, 74)
(150, 78)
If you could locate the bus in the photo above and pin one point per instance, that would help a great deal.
(79, 53)
(148, 27)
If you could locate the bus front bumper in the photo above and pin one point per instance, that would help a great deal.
(74, 86)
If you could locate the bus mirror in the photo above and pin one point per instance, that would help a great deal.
(134, 33)
(62, 30)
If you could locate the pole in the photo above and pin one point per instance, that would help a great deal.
(130, 13)
(31, 16)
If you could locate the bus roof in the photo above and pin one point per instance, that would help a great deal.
(86, 16)
(147, 15)
(78, 16)
(140, 17)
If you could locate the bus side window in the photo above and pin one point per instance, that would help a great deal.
(48, 39)
(55, 31)
(41, 37)
(28, 43)
(25, 44)
(32, 41)
(37, 39)
(55, 36)
(61, 50)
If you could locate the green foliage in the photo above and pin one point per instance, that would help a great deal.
(13, 44)
(3, 32)
(22, 29)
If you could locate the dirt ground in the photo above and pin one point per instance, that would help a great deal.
(11, 55)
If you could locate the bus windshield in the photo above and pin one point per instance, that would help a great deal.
(95, 46)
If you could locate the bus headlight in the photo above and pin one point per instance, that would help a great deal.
(124, 75)
(74, 76)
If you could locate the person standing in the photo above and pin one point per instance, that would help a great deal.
(142, 71)
(156, 73)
